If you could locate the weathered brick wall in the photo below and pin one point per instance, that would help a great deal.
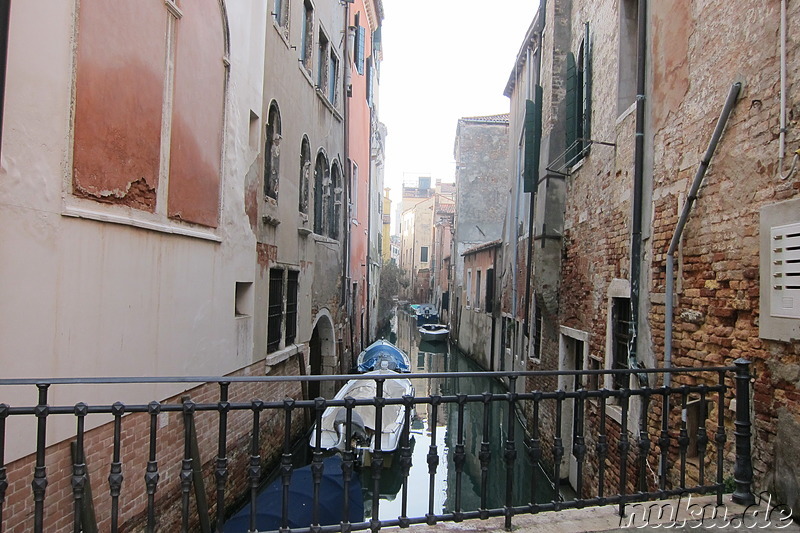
(135, 436)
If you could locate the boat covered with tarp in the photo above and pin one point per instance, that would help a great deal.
(375, 354)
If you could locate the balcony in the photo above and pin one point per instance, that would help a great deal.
(188, 462)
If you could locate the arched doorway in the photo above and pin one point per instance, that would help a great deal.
(322, 356)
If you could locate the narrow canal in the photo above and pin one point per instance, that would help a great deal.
(443, 357)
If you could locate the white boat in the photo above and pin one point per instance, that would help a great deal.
(333, 433)
(433, 332)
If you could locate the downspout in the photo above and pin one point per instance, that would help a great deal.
(346, 274)
(733, 94)
(782, 142)
(531, 221)
(5, 9)
(368, 288)
(638, 185)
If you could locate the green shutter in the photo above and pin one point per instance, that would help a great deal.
(533, 140)
(587, 86)
(572, 109)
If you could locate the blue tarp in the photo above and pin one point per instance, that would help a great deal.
(382, 350)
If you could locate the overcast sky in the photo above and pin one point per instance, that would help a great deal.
(443, 60)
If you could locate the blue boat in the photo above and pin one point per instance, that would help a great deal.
(375, 354)
(269, 502)
(426, 314)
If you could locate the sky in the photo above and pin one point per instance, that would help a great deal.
(442, 60)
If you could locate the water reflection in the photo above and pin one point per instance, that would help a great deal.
(443, 433)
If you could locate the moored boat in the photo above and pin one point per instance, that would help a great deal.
(426, 314)
(433, 332)
(364, 433)
(382, 350)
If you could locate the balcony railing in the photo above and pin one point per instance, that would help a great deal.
(633, 453)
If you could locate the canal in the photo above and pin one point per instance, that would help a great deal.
(443, 433)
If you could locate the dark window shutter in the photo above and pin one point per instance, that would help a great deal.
(489, 290)
(572, 109)
(587, 87)
(360, 36)
(533, 140)
(369, 81)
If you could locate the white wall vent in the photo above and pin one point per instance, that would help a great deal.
(785, 271)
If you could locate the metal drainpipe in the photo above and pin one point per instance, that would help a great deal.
(346, 274)
(733, 94)
(5, 9)
(638, 181)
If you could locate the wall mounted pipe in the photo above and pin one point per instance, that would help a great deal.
(733, 94)
(782, 141)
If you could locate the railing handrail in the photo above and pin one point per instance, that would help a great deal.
(112, 380)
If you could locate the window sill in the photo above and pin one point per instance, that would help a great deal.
(615, 413)
(332, 108)
(283, 32)
(142, 220)
(279, 356)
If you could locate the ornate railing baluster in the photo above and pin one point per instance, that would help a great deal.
(221, 470)
(602, 448)
(3, 478)
(79, 467)
(536, 451)
(623, 446)
(433, 458)
(254, 468)
(579, 443)
(558, 449)
(348, 461)
(743, 469)
(377, 456)
(115, 476)
(663, 441)
(316, 464)
(644, 441)
(459, 456)
(702, 437)
(720, 437)
(286, 463)
(683, 436)
(186, 463)
(151, 476)
(485, 456)
(510, 453)
(405, 458)
(39, 483)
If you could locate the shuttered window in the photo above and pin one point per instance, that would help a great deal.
(275, 309)
(359, 51)
(579, 101)
(533, 140)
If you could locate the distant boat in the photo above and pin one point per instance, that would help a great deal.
(269, 502)
(426, 314)
(363, 431)
(433, 332)
(383, 350)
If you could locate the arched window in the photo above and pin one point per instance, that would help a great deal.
(321, 193)
(305, 174)
(335, 206)
(272, 152)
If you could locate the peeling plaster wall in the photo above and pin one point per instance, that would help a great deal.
(104, 290)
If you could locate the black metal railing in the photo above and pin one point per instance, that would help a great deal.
(673, 443)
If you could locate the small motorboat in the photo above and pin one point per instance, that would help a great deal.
(382, 350)
(426, 314)
(433, 332)
(363, 432)
(269, 502)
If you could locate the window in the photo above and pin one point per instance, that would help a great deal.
(335, 205)
(305, 174)
(306, 37)
(275, 309)
(322, 61)
(369, 81)
(291, 305)
(537, 333)
(469, 287)
(188, 188)
(333, 75)
(358, 53)
(354, 188)
(621, 331)
(280, 15)
(626, 76)
(282, 308)
(321, 193)
(423, 254)
(489, 304)
(478, 289)
(272, 152)
(578, 101)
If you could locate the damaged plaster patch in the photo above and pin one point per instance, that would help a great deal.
(138, 194)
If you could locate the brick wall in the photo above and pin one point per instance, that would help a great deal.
(135, 435)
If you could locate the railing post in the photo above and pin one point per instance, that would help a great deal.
(743, 471)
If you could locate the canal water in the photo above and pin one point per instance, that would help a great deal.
(443, 357)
